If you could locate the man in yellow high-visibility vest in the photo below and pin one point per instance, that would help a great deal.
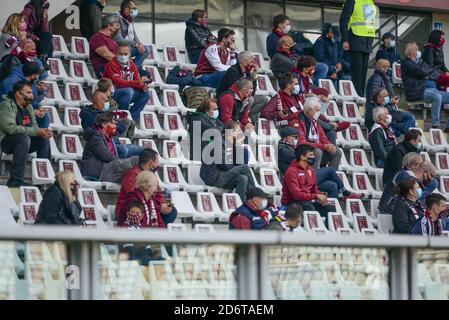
(358, 28)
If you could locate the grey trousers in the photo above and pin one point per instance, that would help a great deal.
(256, 105)
(113, 171)
(238, 177)
(323, 158)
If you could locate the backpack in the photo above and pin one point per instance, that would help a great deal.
(195, 96)
(181, 77)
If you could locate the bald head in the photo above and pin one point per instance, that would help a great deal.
(286, 42)
(99, 99)
(382, 65)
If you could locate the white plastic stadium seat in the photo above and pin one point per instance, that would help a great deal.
(252, 160)
(264, 66)
(57, 71)
(202, 227)
(431, 148)
(346, 184)
(267, 132)
(361, 222)
(6, 217)
(172, 153)
(30, 195)
(385, 223)
(333, 94)
(269, 181)
(208, 206)
(312, 221)
(149, 126)
(153, 57)
(444, 185)
(359, 161)
(183, 204)
(74, 92)
(80, 48)
(72, 119)
(355, 138)
(266, 156)
(153, 103)
(172, 58)
(27, 212)
(60, 49)
(156, 79)
(437, 138)
(92, 216)
(347, 89)
(7, 199)
(70, 165)
(53, 96)
(79, 72)
(264, 86)
(42, 172)
(71, 146)
(57, 155)
(193, 177)
(338, 222)
(173, 127)
(177, 227)
(396, 73)
(344, 164)
(89, 197)
(150, 144)
(173, 178)
(355, 206)
(442, 163)
(230, 202)
(332, 112)
(361, 181)
(172, 102)
(351, 113)
(56, 123)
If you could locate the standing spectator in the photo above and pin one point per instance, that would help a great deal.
(234, 104)
(148, 161)
(100, 160)
(245, 68)
(311, 133)
(431, 224)
(130, 88)
(434, 56)
(281, 27)
(204, 118)
(387, 50)
(91, 14)
(326, 51)
(216, 58)
(381, 136)
(407, 208)
(59, 204)
(197, 36)
(358, 29)
(102, 44)
(229, 168)
(418, 81)
(12, 33)
(299, 184)
(29, 72)
(251, 215)
(284, 60)
(291, 221)
(35, 15)
(144, 192)
(128, 35)
(393, 163)
(343, 55)
(19, 132)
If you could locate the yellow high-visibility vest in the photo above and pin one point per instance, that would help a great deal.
(363, 19)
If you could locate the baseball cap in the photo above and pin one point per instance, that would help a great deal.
(255, 192)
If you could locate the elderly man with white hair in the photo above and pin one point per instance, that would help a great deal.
(381, 137)
(311, 133)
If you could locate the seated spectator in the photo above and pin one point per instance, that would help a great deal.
(387, 50)
(290, 221)
(343, 55)
(127, 34)
(418, 79)
(102, 44)
(430, 224)
(326, 51)
(311, 133)
(91, 14)
(12, 33)
(216, 58)
(299, 184)
(19, 132)
(148, 161)
(412, 167)
(100, 160)
(393, 163)
(197, 35)
(204, 118)
(407, 208)
(286, 148)
(144, 192)
(35, 15)
(381, 136)
(60, 204)
(251, 215)
(134, 215)
(433, 55)
(29, 72)
(228, 166)
(234, 104)
(105, 85)
(284, 60)
(281, 27)
(130, 88)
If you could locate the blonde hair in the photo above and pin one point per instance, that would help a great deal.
(409, 47)
(64, 179)
(12, 25)
(145, 180)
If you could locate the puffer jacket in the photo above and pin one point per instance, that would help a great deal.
(286, 154)
(325, 51)
(282, 63)
(434, 56)
(197, 37)
(413, 76)
(376, 81)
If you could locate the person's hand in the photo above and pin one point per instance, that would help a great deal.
(44, 133)
(346, 45)
(144, 79)
(334, 76)
(330, 148)
(232, 47)
(338, 67)
(322, 199)
(249, 127)
(146, 88)
(395, 100)
(166, 208)
(140, 48)
(40, 113)
(23, 35)
(323, 98)
(335, 126)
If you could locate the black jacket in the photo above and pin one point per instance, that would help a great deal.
(376, 81)
(206, 124)
(413, 75)
(434, 57)
(230, 77)
(403, 216)
(197, 37)
(380, 144)
(281, 63)
(286, 154)
(56, 209)
(356, 43)
(393, 163)
(90, 17)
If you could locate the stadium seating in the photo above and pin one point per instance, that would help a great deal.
(153, 104)
(42, 171)
(80, 48)
(57, 71)
(156, 79)
(347, 89)
(79, 72)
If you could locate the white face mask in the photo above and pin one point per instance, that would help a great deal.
(286, 29)
(389, 119)
(263, 204)
(295, 142)
(316, 115)
(123, 60)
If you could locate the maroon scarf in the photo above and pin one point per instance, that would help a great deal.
(390, 134)
(280, 34)
(435, 227)
(285, 52)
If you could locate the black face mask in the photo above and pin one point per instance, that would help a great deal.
(311, 161)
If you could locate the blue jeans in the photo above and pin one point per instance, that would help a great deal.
(171, 217)
(380, 163)
(328, 181)
(126, 96)
(139, 58)
(406, 122)
(433, 96)
(43, 122)
(212, 79)
(128, 150)
(321, 70)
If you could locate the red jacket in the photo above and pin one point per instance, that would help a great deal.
(115, 72)
(128, 185)
(303, 133)
(290, 108)
(203, 66)
(232, 108)
(299, 184)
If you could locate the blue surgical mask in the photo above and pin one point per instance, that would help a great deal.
(215, 115)
(106, 106)
(334, 41)
(386, 100)
(123, 60)
(419, 193)
(296, 89)
(392, 44)
(134, 13)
